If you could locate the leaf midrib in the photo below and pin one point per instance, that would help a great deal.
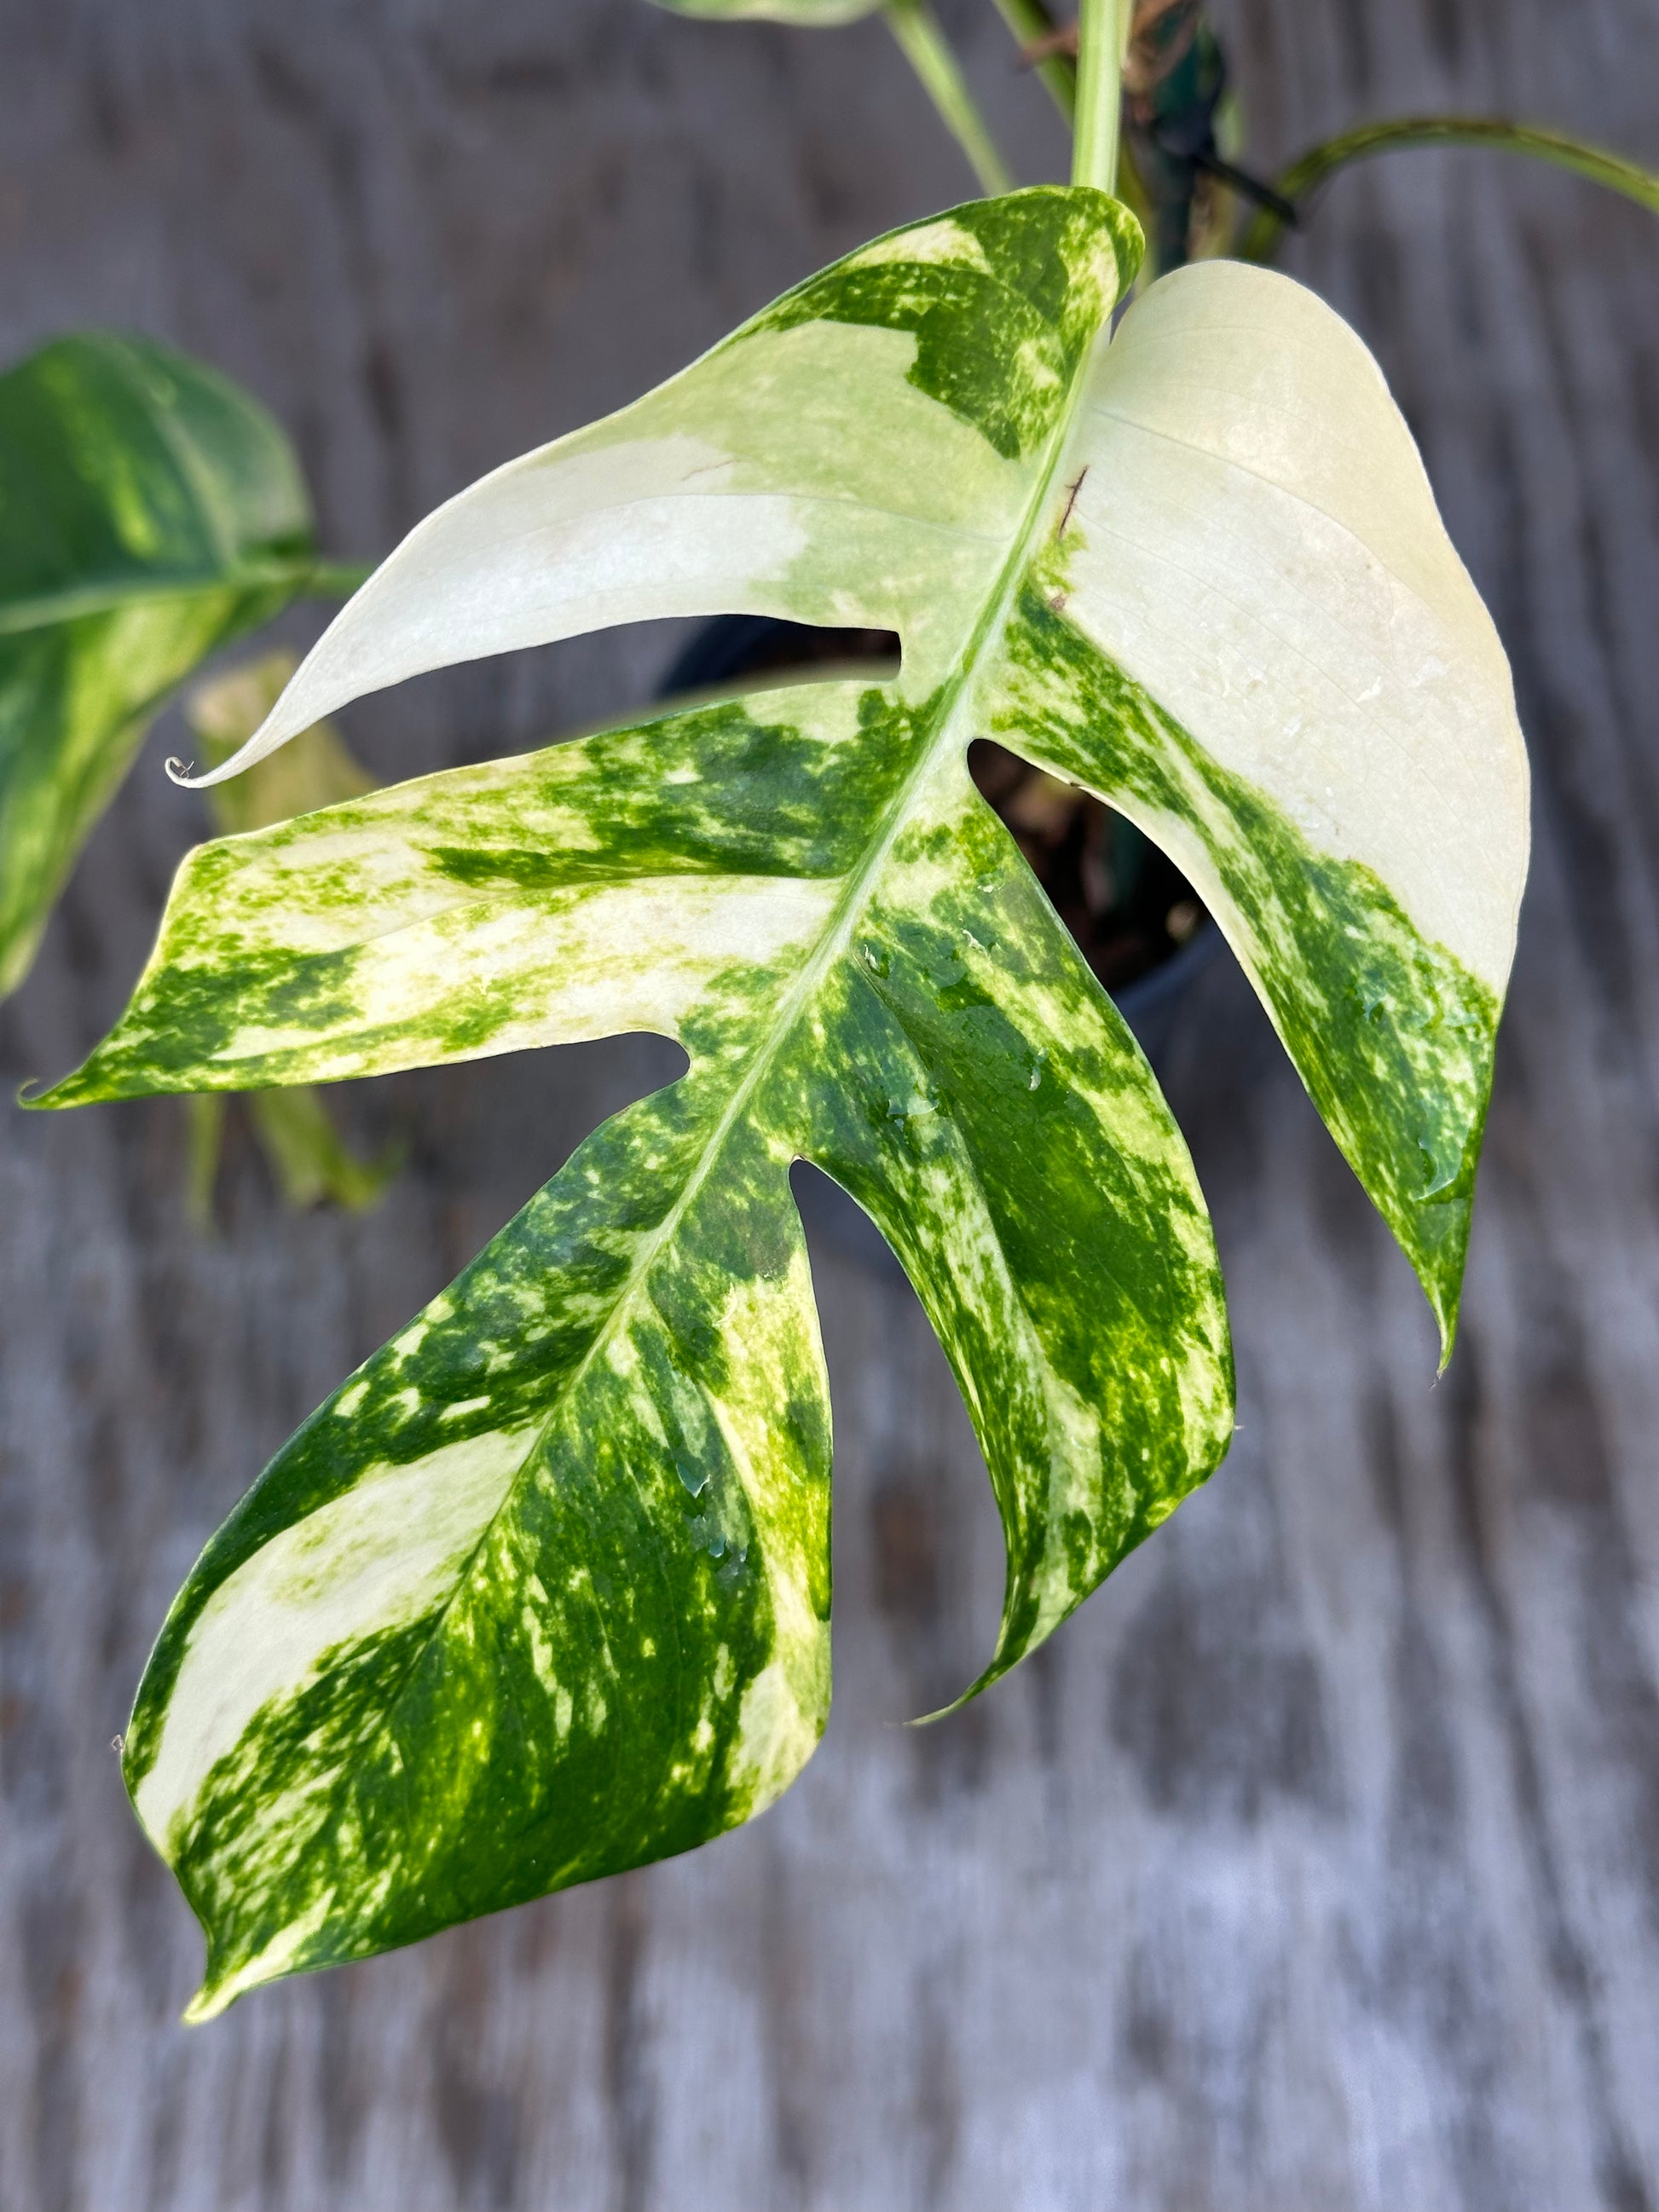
(831, 948)
(45, 609)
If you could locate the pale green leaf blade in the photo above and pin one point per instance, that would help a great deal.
(861, 453)
(1259, 644)
(149, 511)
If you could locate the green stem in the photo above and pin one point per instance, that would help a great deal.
(916, 27)
(1029, 21)
(1032, 20)
(1102, 41)
(1262, 232)
(337, 580)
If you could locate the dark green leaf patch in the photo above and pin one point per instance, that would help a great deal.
(995, 1118)
(1392, 1035)
(1001, 326)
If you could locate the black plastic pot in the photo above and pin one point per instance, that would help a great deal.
(735, 648)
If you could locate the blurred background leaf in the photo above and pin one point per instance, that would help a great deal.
(150, 512)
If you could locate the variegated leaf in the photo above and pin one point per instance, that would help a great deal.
(305, 1152)
(542, 1592)
(149, 511)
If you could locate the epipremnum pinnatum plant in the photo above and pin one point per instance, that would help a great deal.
(543, 1590)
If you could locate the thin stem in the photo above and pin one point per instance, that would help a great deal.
(1033, 21)
(1102, 42)
(916, 27)
(337, 580)
(1261, 235)
(1030, 22)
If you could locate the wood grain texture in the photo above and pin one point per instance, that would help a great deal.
(1317, 1863)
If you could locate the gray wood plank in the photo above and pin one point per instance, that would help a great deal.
(1317, 1863)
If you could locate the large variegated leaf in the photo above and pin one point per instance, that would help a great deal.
(149, 511)
(542, 1592)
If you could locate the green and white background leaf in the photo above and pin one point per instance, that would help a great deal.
(542, 1591)
(150, 512)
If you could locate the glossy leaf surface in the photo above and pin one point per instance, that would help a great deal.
(149, 511)
(542, 1591)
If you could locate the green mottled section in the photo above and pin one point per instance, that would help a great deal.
(1004, 296)
(992, 1114)
(304, 1150)
(416, 925)
(149, 512)
(579, 1693)
(1393, 1036)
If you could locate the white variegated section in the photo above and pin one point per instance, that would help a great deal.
(791, 472)
(379, 1557)
(777, 1734)
(1255, 542)
(772, 1324)
(590, 962)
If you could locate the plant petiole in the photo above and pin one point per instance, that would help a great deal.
(927, 48)
(1305, 174)
(1102, 42)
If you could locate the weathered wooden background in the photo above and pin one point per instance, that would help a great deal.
(1316, 1864)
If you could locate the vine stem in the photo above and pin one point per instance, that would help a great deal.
(1031, 21)
(1261, 235)
(337, 580)
(927, 48)
(1102, 42)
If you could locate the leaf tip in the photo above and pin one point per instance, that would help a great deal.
(1442, 1286)
(70, 1089)
(1447, 1326)
(209, 2001)
(225, 1979)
